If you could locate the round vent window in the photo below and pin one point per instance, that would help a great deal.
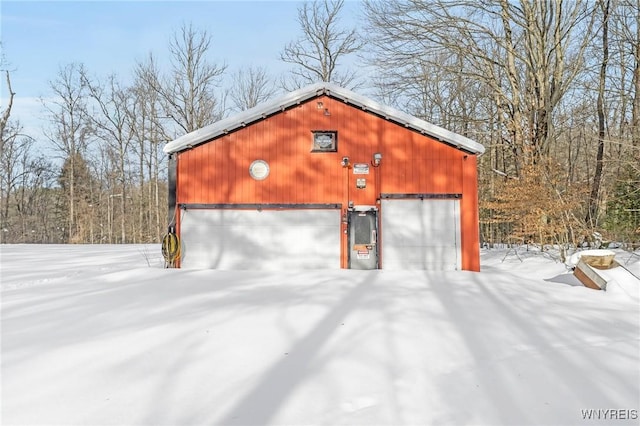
(259, 170)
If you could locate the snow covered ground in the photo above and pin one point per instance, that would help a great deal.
(98, 335)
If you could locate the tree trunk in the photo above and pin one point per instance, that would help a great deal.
(635, 129)
(592, 211)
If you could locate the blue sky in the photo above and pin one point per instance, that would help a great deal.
(38, 37)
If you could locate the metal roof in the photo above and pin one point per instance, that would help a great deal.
(288, 100)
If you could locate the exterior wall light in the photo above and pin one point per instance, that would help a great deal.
(345, 162)
(377, 158)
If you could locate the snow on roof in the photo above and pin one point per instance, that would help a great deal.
(309, 92)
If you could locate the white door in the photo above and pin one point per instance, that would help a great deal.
(260, 239)
(421, 234)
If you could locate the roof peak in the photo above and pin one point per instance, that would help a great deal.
(303, 94)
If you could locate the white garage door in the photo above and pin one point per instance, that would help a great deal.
(265, 239)
(421, 234)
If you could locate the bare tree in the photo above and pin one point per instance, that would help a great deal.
(24, 190)
(619, 196)
(8, 135)
(24, 180)
(149, 133)
(70, 131)
(112, 123)
(188, 93)
(323, 44)
(16, 152)
(526, 54)
(592, 209)
(250, 87)
(6, 113)
(631, 8)
(34, 200)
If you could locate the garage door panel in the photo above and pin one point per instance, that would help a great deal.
(416, 235)
(267, 239)
(420, 257)
(421, 234)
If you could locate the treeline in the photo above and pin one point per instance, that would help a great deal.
(549, 87)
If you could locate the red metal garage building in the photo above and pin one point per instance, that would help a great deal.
(325, 178)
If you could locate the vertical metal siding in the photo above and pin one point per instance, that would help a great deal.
(470, 235)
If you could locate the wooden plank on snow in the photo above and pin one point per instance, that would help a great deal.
(589, 276)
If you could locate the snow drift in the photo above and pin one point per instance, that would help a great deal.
(104, 335)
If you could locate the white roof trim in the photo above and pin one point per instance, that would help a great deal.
(298, 96)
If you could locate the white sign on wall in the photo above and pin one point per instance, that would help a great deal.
(361, 169)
